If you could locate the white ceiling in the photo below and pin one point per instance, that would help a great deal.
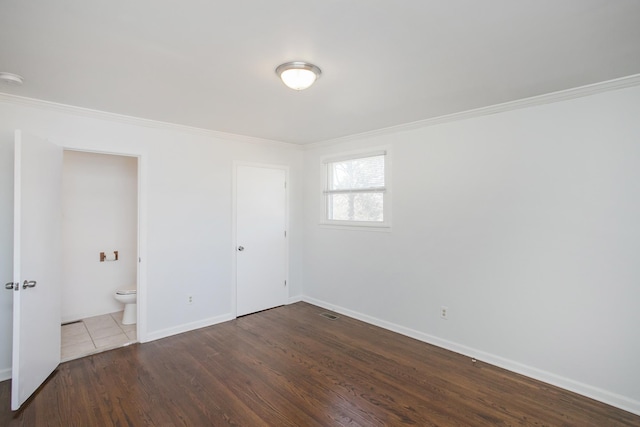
(210, 64)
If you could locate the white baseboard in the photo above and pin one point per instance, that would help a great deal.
(595, 393)
(186, 327)
(293, 300)
(5, 374)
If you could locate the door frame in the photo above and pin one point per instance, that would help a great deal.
(141, 270)
(234, 224)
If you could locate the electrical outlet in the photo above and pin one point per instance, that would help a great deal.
(444, 312)
(189, 299)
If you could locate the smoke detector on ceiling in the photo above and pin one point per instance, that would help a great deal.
(11, 79)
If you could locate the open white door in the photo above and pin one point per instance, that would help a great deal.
(261, 261)
(37, 264)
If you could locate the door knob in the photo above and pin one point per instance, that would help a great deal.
(29, 284)
(241, 248)
(9, 286)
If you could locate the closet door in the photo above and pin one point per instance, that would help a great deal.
(261, 250)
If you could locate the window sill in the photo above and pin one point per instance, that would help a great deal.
(357, 226)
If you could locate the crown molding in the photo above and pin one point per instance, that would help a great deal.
(137, 121)
(549, 98)
(563, 95)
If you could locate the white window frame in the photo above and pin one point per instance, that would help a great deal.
(384, 225)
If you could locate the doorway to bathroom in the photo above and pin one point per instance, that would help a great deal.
(100, 236)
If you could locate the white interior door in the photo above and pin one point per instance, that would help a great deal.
(37, 264)
(261, 250)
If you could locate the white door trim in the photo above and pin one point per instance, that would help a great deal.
(234, 236)
(141, 325)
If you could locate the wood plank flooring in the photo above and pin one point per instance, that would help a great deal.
(291, 367)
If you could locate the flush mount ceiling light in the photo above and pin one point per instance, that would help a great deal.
(10, 78)
(298, 75)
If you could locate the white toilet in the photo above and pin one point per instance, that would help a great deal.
(128, 297)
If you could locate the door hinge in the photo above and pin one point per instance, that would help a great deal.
(285, 233)
(285, 283)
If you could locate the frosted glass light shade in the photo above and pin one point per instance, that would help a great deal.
(298, 75)
(298, 79)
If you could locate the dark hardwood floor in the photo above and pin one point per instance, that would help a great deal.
(291, 367)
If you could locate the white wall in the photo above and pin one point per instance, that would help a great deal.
(100, 214)
(526, 224)
(188, 178)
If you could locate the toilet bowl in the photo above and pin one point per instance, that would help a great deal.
(128, 297)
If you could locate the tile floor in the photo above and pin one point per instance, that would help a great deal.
(95, 334)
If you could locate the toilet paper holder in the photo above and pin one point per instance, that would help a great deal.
(103, 257)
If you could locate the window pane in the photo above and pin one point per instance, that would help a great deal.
(357, 173)
(355, 207)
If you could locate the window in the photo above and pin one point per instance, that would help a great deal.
(356, 190)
